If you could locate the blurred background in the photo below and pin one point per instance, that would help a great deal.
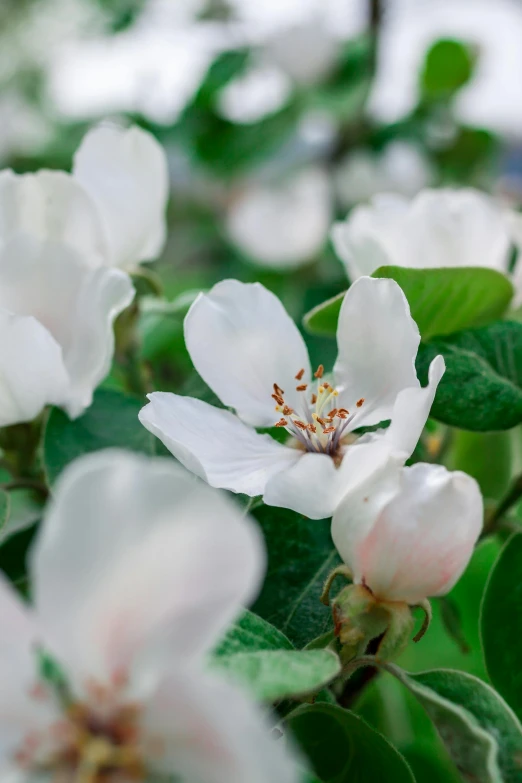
(277, 117)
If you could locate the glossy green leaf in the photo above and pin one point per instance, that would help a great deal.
(481, 733)
(111, 422)
(481, 389)
(501, 623)
(442, 300)
(271, 675)
(342, 748)
(300, 557)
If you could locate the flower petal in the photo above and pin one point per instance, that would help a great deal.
(410, 534)
(139, 564)
(377, 341)
(215, 444)
(20, 712)
(76, 303)
(125, 172)
(314, 486)
(32, 372)
(242, 341)
(411, 410)
(52, 207)
(212, 733)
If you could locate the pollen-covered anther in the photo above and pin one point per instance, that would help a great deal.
(359, 402)
(326, 385)
(301, 425)
(278, 399)
(302, 387)
(278, 390)
(281, 423)
(314, 399)
(287, 410)
(312, 428)
(342, 413)
(319, 372)
(300, 374)
(328, 430)
(332, 414)
(317, 418)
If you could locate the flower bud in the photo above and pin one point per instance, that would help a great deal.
(408, 533)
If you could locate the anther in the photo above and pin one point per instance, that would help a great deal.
(281, 423)
(278, 399)
(322, 422)
(300, 374)
(301, 425)
(287, 410)
(327, 430)
(332, 414)
(278, 390)
(360, 402)
(342, 413)
(319, 372)
(320, 390)
(326, 385)
(314, 399)
(302, 387)
(312, 428)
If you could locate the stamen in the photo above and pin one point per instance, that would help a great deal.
(314, 399)
(302, 387)
(278, 399)
(327, 430)
(326, 385)
(287, 410)
(319, 372)
(342, 413)
(322, 422)
(332, 414)
(312, 428)
(360, 402)
(281, 423)
(300, 425)
(300, 374)
(278, 390)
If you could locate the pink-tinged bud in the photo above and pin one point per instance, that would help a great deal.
(409, 533)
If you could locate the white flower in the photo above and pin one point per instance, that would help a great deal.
(443, 227)
(494, 30)
(56, 315)
(283, 225)
(400, 168)
(137, 572)
(248, 350)
(410, 532)
(111, 209)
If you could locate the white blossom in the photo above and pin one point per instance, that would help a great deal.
(282, 224)
(137, 572)
(248, 350)
(437, 228)
(409, 533)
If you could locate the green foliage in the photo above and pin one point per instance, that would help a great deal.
(479, 730)
(110, 422)
(300, 557)
(342, 748)
(481, 389)
(449, 65)
(442, 300)
(487, 456)
(501, 624)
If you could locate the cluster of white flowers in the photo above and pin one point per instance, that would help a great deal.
(139, 567)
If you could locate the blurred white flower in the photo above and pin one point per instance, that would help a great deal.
(137, 572)
(307, 52)
(282, 225)
(261, 91)
(437, 228)
(410, 533)
(401, 168)
(492, 98)
(248, 350)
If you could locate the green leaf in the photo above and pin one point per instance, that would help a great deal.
(442, 300)
(5, 510)
(481, 733)
(342, 748)
(262, 659)
(448, 66)
(481, 389)
(501, 623)
(252, 634)
(300, 557)
(271, 675)
(111, 422)
(486, 456)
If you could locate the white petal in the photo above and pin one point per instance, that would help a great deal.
(32, 372)
(372, 236)
(215, 444)
(242, 341)
(411, 410)
(377, 341)
(51, 206)
(314, 486)
(139, 564)
(20, 713)
(125, 172)
(413, 540)
(75, 302)
(282, 225)
(209, 731)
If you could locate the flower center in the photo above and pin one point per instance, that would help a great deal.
(319, 425)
